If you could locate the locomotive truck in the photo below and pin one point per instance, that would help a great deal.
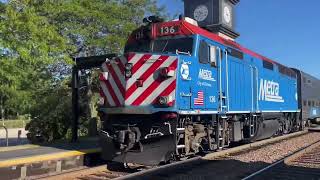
(180, 90)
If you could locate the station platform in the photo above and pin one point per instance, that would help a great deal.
(20, 162)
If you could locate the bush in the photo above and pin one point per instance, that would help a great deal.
(51, 116)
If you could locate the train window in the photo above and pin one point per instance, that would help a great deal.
(268, 65)
(203, 52)
(304, 103)
(235, 53)
(309, 103)
(161, 46)
(312, 103)
(213, 56)
(172, 45)
(286, 71)
(304, 79)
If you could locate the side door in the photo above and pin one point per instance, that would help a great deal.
(237, 82)
(205, 86)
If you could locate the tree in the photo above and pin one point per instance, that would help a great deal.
(96, 26)
(28, 43)
(39, 38)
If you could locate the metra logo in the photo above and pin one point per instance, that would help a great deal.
(206, 75)
(269, 91)
(184, 70)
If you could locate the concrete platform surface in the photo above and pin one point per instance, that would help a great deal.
(20, 162)
(87, 145)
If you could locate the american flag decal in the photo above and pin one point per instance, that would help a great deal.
(199, 100)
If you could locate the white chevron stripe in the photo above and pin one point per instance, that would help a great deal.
(148, 82)
(119, 74)
(173, 95)
(123, 60)
(116, 89)
(163, 86)
(140, 72)
(107, 94)
(136, 58)
(113, 85)
(104, 67)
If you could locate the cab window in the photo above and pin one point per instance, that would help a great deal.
(203, 52)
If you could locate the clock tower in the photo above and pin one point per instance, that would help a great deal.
(214, 15)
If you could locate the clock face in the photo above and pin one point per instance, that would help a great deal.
(201, 13)
(227, 14)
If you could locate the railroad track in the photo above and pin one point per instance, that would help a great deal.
(303, 164)
(234, 163)
(102, 172)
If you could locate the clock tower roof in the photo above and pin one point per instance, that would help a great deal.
(217, 16)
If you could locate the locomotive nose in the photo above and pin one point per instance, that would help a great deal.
(139, 79)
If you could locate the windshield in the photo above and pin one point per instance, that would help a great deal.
(162, 46)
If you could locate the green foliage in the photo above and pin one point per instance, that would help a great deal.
(96, 26)
(51, 114)
(30, 38)
(39, 38)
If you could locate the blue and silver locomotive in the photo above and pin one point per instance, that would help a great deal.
(179, 90)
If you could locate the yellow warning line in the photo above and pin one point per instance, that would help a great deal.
(46, 157)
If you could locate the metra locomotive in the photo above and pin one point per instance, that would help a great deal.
(180, 90)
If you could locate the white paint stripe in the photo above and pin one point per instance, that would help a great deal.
(119, 74)
(173, 95)
(104, 67)
(116, 89)
(107, 94)
(113, 85)
(140, 90)
(163, 86)
(141, 71)
(148, 82)
(136, 58)
(123, 60)
(197, 112)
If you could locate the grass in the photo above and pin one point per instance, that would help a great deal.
(14, 123)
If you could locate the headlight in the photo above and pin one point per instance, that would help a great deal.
(167, 72)
(164, 100)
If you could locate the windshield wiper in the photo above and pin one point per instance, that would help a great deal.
(181, 52)
(165, 46)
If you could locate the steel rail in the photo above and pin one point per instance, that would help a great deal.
(213, 155)
(293, 155)
(210, 156)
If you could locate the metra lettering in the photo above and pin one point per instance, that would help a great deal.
(269, 91)
(206, 75)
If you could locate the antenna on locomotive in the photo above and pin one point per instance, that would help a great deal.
(152, 19)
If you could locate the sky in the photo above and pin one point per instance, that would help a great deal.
(286, 31)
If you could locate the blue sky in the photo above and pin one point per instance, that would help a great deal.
(284, 30)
